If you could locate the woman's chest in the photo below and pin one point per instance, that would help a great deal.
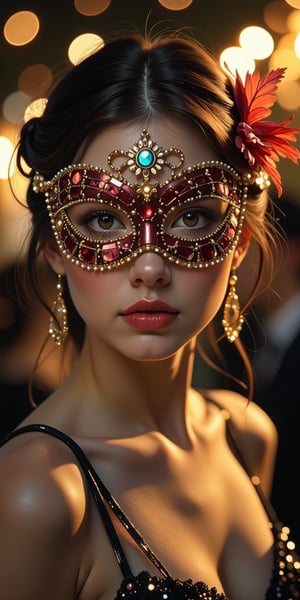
(198, 517)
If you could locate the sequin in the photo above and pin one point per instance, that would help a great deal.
(147, 587)
(285, 583)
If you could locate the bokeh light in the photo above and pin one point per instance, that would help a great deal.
(13, 107)
(257, 42)
(293, 21)
(297, 45)
(84, 45)
(91, 8)
(175, 4)
(21, 28)
(286, 42)
(6, 151)
(35, 80)
(275, 16)
(288, 95)
(35, 109)
(293, 3)
(286, 57)
(235, 58)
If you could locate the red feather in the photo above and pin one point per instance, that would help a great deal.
(263, 142)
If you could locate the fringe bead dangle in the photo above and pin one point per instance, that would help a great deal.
(232, 318)
(58, 324)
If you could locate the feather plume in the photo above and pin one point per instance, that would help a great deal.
(263, 142)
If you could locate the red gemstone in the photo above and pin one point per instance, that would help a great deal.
(76, 177)
(182, 186)
(64, 197)
(222, 189)
(207, 252)
(88, 254)
(216, 173)
(185, 252)
(75, 192)
(224, 241)
(110, 252)
(70, 244)
(175, 190)
(126, 243)
(126, 195)
(171, 241)
(113, 187)
(230, 232)
(168, 196)
(95, 183)
(200, 178)
(206, 189)
(148, 212)
(97, 179)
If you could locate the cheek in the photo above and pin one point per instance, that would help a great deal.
(206, 290)
(90, 291)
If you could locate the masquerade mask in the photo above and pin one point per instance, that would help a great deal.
(102, 221)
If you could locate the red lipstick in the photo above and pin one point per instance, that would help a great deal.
(149, 314)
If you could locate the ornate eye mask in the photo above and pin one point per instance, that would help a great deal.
(100, 221)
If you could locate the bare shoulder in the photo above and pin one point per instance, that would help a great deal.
(36, 475)
(42, 503)
(254, 431)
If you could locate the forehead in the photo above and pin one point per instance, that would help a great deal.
(168, 133)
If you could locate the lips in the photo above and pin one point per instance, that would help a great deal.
(149, 314)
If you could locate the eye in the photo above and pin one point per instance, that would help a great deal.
(102, 220)
(197, 220)
(191, 219)
(105, 223)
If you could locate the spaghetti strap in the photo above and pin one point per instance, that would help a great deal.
(254, 480)
(93, 483)
(100, 494)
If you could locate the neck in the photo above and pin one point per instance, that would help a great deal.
(138, 395)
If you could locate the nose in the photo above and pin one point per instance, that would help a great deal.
(150, 269)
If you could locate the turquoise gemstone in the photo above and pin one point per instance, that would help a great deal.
(145, 158)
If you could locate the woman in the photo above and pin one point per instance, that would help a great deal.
(146, 186)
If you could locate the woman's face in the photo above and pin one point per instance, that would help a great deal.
(148, 307)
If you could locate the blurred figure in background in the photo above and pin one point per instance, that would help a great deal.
(277, 364)
(23, 327)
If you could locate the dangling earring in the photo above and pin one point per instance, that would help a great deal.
(232, 318)
(58, 325)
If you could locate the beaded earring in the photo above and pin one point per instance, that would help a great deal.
(58, 324)
(232, 318)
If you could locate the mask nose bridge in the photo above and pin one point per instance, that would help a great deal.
(148, 235)
(149, 223)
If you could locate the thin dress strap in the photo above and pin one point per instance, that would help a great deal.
(100, 494)
(254, 480)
